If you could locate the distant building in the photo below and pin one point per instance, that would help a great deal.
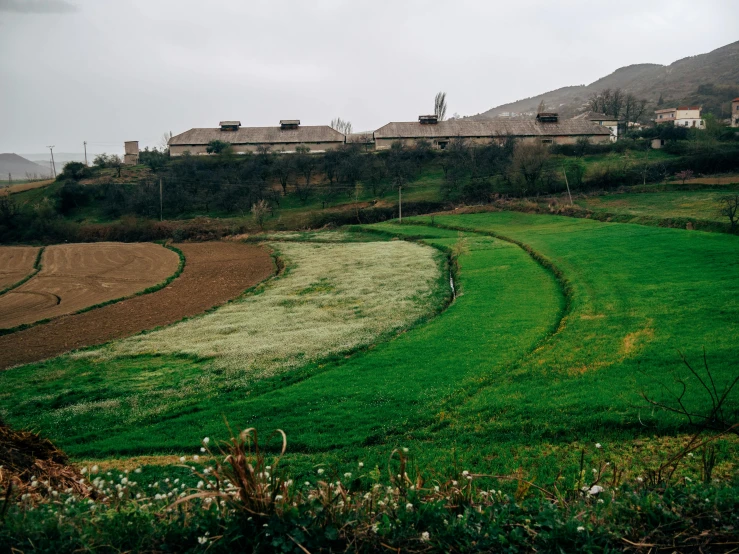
(602, 119)
(131, 152)
(735, 112)
(682, 116)
(287, 137)
(547, 128)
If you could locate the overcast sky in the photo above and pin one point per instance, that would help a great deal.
(106, 71)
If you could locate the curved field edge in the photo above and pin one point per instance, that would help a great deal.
(565, 289)
(28, 276)
(332, 299)
(389, 392)
(148, 290)
(82, 394)
(634, 288)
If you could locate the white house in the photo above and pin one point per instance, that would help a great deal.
(735, 112)
(682, 116)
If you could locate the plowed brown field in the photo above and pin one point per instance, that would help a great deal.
(15, 263)
(75, 276)
(214, 273)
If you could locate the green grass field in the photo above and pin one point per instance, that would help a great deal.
(534, 359)
(698, 205)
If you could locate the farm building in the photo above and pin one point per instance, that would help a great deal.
(287, 137)
(602, 119)
(735, 112)
(546, 128)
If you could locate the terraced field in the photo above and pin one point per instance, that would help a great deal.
(558, 325)
(16, 263)
(76, 276)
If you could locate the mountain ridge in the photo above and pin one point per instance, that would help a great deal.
(677, 83)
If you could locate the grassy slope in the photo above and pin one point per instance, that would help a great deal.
(638, 295)
(376, 395)
(481, 383)
(688, 204)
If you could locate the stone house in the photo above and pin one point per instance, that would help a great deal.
(547, 128)
(287, 137)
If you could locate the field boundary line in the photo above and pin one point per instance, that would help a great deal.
(563, 282)
(316, 367)
(36, 269)
(153, 288)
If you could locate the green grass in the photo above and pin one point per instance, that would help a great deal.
(686, 205)
(543, 353)
(639, 295)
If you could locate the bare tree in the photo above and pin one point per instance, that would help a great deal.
(633, 108)
(440, 106)
(528, 162)
(342, 126)
(164, 141)
(259, 210)
(542, 107)
(729, 208)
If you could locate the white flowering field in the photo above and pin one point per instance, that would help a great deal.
(333, 298)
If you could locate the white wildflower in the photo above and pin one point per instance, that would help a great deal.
(580, 529)
(206, 440)
(598, 445)
(425, 537)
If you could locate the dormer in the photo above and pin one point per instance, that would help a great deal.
(428, 119)
(547, 117)
(230, 125)
(286, 124)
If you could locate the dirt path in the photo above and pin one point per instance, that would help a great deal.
(214, 273)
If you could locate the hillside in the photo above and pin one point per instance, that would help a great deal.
(710, 79)
(20, 168)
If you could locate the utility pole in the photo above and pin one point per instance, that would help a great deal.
(568, 185)
(53, 165)
(10, 179)
(160, 199)
(85, 144)
(400, 203)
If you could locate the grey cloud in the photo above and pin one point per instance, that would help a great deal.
(37, 6)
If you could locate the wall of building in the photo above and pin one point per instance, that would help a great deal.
(386, 143)
(735, 114)
(200, 149)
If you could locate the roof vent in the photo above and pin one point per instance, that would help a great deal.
(230, 125)
(428, 119)
(547, 117)
(289, 123)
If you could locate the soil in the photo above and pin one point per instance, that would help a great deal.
(15, 263)
(214, 273)
(76, 276)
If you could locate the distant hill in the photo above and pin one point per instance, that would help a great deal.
(710, 80)
(20, 168)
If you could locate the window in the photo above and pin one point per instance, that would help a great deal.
(546, 141)
(442, 144)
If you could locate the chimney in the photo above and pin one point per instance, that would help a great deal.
(289, 124)
(131, 152)
(428, 119)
